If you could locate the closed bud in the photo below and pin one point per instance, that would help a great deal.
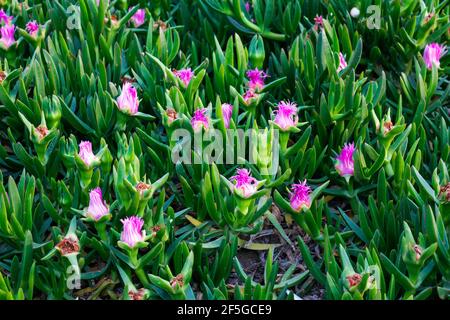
(256, 52)
(52, 111)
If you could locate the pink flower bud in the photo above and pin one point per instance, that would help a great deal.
(185, 75)
(286, 115)
(97, 206)
(245, 184)
(432, 54)
(227, 112)
(4, 17)
(132, 232)
(342, 62)
(138, 18)
(199, 120)
(86, 153)
(32, 28)
(300, 196)
(318, 22)
(344, 161)
(249, 95)
(128, 101)
(247, 6)
(7, 35)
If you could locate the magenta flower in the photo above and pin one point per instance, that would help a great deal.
(433, 53)
(300, 196)
(4, 17)
(128, 101)
(249, 95)
(32, 27)
(199, 120)
(7, 35)
(344, 161)
(286, 115)
(132, 232)
(138, 18)
(318, 22)
(97, 206)
(86, 153)
(245, 185)
(247, 6)
(227, 112)
(342, 62)
(256, 79)
(185, 75)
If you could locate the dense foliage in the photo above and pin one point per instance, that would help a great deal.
(344, 194)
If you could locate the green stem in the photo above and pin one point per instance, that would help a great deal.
(142, 278)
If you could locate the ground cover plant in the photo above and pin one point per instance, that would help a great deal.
(224, 149)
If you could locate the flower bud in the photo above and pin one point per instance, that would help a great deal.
(52, 111)
(256, 52)
(132, 232)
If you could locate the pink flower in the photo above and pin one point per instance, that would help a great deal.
(227, 112)
(4, 17)
(97, 206)
(344, 161)
(247, 6)
(199, 119)
(318, 22)
(7, 35)
(245, 185)
(132, 232)
(185, 75)
(286, 115)
(249, 95)
(342, 62)
(32, 28)
(433, 53)
(138, 18)
(86, 153)
(300, 196)
(128, 101)
(256, 79)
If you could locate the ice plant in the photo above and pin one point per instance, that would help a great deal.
(97, 206)
(4, 17)
(300, 196)
(32, 28)
(245, 184)
(354, 279)
(7, 35)
(138, 18)
(256, 79)
(132, 232)
(286, 115)
(200, 120)
(432, 54)
(247, 6)
(128, 101)
(86, 153)
(444, 193)
(185, 75)
(249, 95)
(344, 161)
(227, 112)
(318, 22)
(342, 62)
